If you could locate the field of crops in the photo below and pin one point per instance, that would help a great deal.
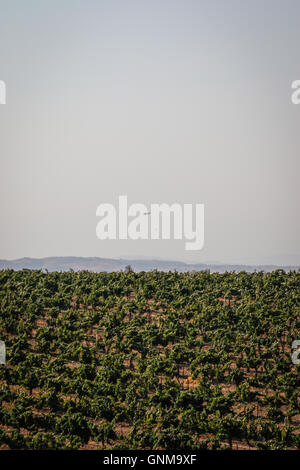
(149, 360)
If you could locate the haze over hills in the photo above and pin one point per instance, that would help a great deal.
(65, 263)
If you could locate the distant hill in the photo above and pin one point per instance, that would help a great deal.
(65, 263)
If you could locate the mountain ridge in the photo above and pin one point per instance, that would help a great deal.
(97, 264)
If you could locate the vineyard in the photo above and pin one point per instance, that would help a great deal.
(149, 360)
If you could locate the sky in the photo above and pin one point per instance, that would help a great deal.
(163, 101)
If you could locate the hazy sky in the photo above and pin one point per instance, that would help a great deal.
(163, 101)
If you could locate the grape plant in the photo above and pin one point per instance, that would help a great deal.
(149, 360)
